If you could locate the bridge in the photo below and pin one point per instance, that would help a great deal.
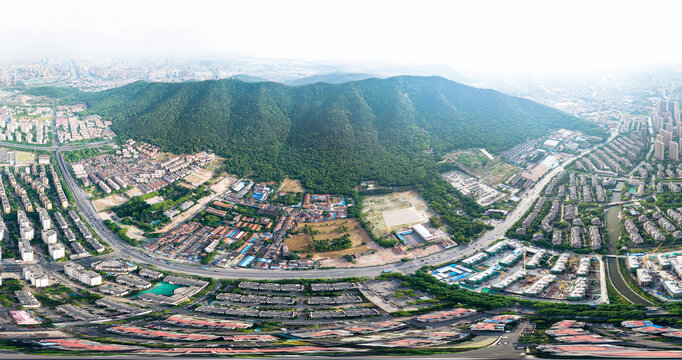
(620, 202)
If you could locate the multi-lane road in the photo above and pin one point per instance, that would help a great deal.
(125, 250)
(54, 148)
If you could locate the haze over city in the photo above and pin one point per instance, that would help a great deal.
(479, 36)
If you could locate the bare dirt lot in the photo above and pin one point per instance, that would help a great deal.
(134, 232)
(330, 230)
(104, 215)
(369, 254)
(386, 213)
(108, 202)
(199, 177)
(291, 185)
(399, 217)
(220, 186)
(134, 191)
(378, 256)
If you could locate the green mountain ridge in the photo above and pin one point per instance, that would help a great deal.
(331, 136)
(248, 78)
(330, 78)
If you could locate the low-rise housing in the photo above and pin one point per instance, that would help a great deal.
(26, 299)
(133, 281)
(114, 266)
(446, 315)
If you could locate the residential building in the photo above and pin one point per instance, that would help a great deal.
(78, 272)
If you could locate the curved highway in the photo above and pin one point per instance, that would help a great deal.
(125, 250)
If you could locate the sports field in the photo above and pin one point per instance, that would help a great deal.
(394, 211)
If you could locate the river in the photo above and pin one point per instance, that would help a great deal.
(612, 220)
(613, 229)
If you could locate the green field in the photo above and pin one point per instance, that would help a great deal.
(24, 156)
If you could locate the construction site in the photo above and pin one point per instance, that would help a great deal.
(659, 273)
(510, 267)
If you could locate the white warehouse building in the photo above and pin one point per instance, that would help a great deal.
(423, 232)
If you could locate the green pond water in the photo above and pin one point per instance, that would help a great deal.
(161, 288)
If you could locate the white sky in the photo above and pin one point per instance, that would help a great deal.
(469, 35)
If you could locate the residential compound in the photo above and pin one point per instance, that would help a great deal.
(35, 195)
(253, 221)
(26, 124)
(510, 267)
(72, 127)
(78, 272)
(668, 130)
(139, 165)
(658, 178)
(545, 223)
(252, 230)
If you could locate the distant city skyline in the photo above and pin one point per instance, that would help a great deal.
(486, 36)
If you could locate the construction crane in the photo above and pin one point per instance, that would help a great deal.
(502, 273)
(646, 258)
(563, 282)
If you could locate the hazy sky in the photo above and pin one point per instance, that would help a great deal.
(469, 35)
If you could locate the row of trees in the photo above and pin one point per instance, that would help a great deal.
(459, 212)
(453, 296)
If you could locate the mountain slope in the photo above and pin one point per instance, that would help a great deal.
(330, 78)
(330, 136)
(248, 78)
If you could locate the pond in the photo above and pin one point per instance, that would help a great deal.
(161, 288)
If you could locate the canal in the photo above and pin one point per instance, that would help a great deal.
(613, 230)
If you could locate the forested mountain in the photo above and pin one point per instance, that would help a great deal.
(331, 78)
(248, 78)
(329, 136)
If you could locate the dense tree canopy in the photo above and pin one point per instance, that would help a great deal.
(331, 136)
